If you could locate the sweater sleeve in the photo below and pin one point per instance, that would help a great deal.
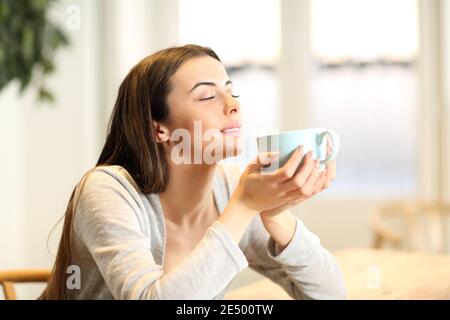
(107, 222)
(304, 269)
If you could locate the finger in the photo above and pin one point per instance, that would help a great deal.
(329, 146)
(323, 177)
(302, 175)
(331, 170)
(263, 159)
(312, 181)
(307, 188)
(330, 173)
(266, 158)
(288, 170)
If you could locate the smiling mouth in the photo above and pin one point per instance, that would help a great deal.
(231, 131)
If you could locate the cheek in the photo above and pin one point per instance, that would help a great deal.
(203, 126)
(208, 120)
(198, 118)
(202, 131)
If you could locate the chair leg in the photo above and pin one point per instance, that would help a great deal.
(8, 289)
(377, 241)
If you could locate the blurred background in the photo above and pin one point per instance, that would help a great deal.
(375, 71)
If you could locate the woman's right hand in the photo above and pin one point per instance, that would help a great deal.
(259, 191)
(263, 191)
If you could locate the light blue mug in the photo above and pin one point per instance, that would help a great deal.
(311, 139)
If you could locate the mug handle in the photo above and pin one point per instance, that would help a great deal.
(334, 140)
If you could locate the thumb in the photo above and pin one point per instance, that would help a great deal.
(262, 160)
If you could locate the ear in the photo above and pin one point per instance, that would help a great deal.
(160, 131)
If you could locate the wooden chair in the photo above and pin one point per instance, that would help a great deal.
(411, 225)
(9, 278)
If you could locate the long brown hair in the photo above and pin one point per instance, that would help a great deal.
(130, 142)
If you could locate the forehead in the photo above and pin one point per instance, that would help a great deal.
(204, 68)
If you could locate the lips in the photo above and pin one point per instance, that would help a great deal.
(233, 128)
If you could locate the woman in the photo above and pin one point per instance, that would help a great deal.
(151, 223)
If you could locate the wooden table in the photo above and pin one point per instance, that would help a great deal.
(375, 274)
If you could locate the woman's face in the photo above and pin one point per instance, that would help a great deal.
(202, 102)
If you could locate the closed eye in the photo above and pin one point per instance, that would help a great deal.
(212, 97)
(208, 98)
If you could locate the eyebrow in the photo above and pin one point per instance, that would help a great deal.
(208, 83)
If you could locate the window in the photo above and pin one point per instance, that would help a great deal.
(364, 86)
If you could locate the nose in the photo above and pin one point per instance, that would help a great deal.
(231, 105)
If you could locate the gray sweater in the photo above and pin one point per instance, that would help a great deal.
(118, 243)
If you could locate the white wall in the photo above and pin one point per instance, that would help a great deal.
(11, 161)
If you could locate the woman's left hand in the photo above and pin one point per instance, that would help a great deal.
(312, 186)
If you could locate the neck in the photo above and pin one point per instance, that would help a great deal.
(188, 198)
